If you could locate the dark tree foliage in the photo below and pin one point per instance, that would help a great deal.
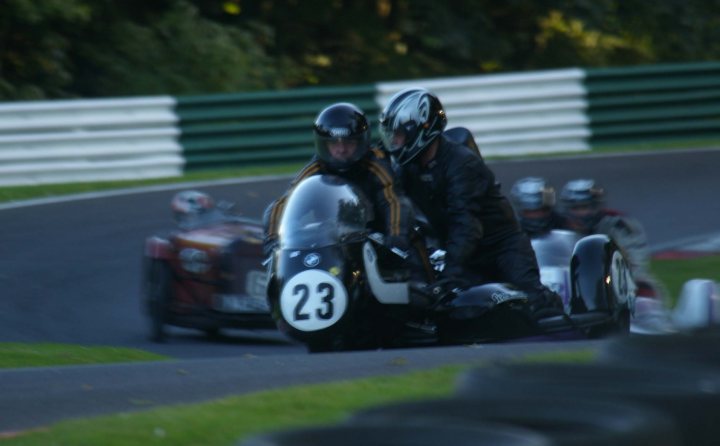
(34, 44)
(101, 48)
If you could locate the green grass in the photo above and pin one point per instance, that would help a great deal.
(225, 421)
(48, 354)
(674, 272)
(228, 420)
(15, 193)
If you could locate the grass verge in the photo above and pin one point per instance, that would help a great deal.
(14, 355)
(225, 421)
(15, 193)
(228, 420)
(674, 272)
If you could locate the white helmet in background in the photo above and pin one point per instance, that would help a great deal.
(188, 204)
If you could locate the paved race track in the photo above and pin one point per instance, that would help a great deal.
(70, 271)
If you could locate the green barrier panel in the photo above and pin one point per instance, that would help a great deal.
(668, 69)
(654, 103)
(657, 114)
(259, 127)
(696, 96)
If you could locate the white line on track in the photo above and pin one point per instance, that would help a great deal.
(138, 190)
(698, 243)
(177, 186)
(609, 155)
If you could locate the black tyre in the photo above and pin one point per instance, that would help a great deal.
(618, 327)
(402, 435)
(321, 344)
(691, 398)
(566, 421)
(158, 292)
(212, 333)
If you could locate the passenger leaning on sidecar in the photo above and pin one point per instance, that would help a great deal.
(343, 148)
(451, 184)
(582, 206)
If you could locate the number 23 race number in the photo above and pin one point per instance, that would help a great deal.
(313, 300)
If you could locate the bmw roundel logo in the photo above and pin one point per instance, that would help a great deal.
(311, 260)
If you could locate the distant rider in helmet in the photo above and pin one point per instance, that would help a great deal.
(582, 205)
(343, 148)
(188, 205)
(457, 192)
(534, 202)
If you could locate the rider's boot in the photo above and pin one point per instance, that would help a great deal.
(545, 303)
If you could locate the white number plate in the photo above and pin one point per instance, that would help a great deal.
(256, 283)
(313, 300)
(232, 303)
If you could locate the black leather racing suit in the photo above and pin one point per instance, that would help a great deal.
(473, 220)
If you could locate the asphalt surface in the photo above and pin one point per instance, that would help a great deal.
(70, 272)
(39, 396)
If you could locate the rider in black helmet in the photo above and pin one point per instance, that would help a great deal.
(343, 148)
(457, 192)
(342, 136)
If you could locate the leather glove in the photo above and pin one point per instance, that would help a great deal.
(444, 287)
(453, 276)
(430, 296)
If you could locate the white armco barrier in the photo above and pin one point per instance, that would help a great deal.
(88, 140)
(512, 114)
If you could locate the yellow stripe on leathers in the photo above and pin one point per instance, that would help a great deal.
(389, 193)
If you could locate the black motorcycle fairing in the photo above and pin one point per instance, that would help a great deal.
(601, 277)
(481, 299)
(324, 210)
(598, 290)
(330, 307)
(485, 313)
(314, 289)
(318, 291)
